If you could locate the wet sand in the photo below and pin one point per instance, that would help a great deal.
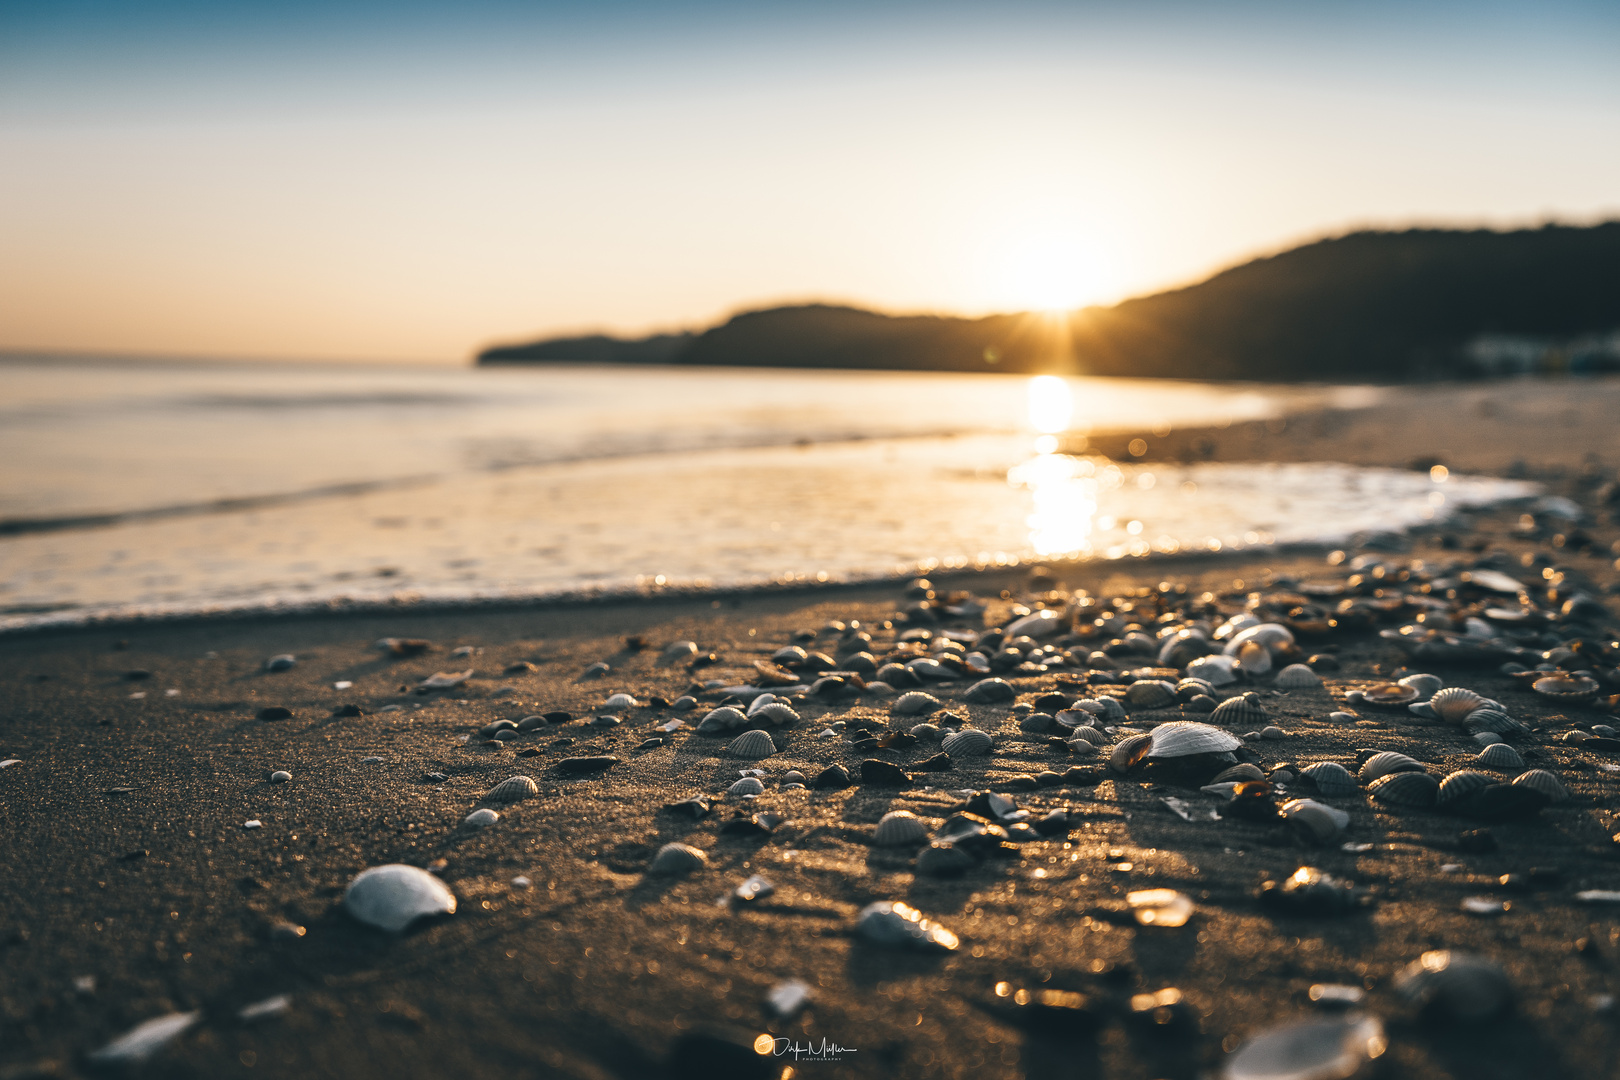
(125, 857)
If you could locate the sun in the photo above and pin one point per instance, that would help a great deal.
(1052, 271)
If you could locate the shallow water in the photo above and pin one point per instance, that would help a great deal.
(374, 485)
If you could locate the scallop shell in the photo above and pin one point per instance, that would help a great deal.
(1461, 784)
(1454, 703)
(724, 718)
(1130, 750)
(1331, 778)
(394, 896)
(1215, 670)
(1545, 782)
(776, 713)
(1318, 821)
(1385, 763)
(1456, 985)
(1298, 677)
(1500, 756)
(1242, 711)
(894, 923)
(515, 789)
(966, 741)
(753, 745)
(1150, 694)
(677, 859)
(748, 785)
(1566, 689)
(1417, 789)
(1183, 738)
(1238, 774)
(899, 827)
(914, 703)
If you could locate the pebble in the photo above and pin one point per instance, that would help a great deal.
(481, 817)
(254, 823)
(280, 776)
(281, 663)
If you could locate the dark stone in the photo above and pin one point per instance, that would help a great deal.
(832, 778)
(1053, 702)
(348, 710)
(1065, 1014)
(757, 825)
(557, 716)
(1048, 778)
(940, 762)
(275, 712)
(883, 774)
(522, 667)
(528, 751)
(595, 763)
(694, 808)
(1055, 823)
(705, 1055)
(1476, 841)
(1024, 782)
(1081, 776)
(651, 744)
(1323, 662)
(530, 723)
(505, 735)
(137, 675)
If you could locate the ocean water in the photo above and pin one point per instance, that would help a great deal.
(172, 488)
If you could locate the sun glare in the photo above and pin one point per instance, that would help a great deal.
(1051, 405)
(1053, 271)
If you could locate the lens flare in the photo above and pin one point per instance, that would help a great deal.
(1051, 405)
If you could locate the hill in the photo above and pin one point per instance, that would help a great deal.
(1368, 305)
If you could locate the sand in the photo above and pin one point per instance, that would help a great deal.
(125, 858)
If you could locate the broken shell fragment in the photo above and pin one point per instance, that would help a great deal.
(897, 924)
(394, 896)
(1314, 821)
(144, 1039)
(1334, 1049)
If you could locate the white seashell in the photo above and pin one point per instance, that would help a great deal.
(1235, 624)
(1183, 738)
(899, 827)
(1343, 1046)
(478, 819)
(268, 1007)
(1454, 703)
(931, 732)
(1215, 670)
(619, 701)
(915, 703)
(515, 789)
(144, 1039)
(759, 703)
(1322, 823)
(394, 896)
(1343, 717)
(1274, 637)
(1500, 756)
(1298, 677)
(1160, 907)
(1389, 761)
(724, 718)
(678, 859)
(968, 741)
(1037, 624)
(1254, 658)
(753, 745)
(1241, 711)
(679, 650)
(777, 713)
(1545, 782)
(1331, 778)
(1082, 748)
(1128, 751)
(1150, 694)
(893, 923)
(1426, 685)
(280, 776)
(748, 785)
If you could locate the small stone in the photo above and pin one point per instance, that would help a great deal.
(280, 663)
(882, 774)
(280, 776)
(481, 818)
(275, 712)
(832, 778)
(595, 763)
(1476, 841)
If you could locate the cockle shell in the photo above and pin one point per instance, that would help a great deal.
(1385, 763)
(1215, 670)
(1319, 822)
(394, 896)
(678, 859)
(1454, 703)
(915, 703)
(1254, 658)
(776, 713)
(966, 741)
(1238, 774)
(1183, 738)
(724, 718)
(899, 827)
(1242, 711)
(1331, 778)
(1150, 694)
(1461, 784)
(753, 745)
(1456, 985)
(1488, 719)
(748, 785)
(515, 789)
(1566, 689)
(619, 701)
(1342, 1046)
(479, 819)
(1129, 750)
(1426, 685)
(894, 923)
(1487, 738)
(942, 858)
(1298, 677)
(931, 732)
(1500, 756)
(1415, 789)
(1095, 736)
(1274, 636)
(990, 692)
(1545, 782)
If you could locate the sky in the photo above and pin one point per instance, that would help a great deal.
(410, 181)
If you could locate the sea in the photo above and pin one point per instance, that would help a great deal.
(141, 488)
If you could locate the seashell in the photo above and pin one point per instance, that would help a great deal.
(1416, 789)
(966, 741)
(1454, 703)
(1389, 695)
(1130, 750)
(1566, 689)
(1331, 778)
(1201, 703)
(1487, 738)
(479, 819)
(1075, 718)
(1272, 731)
(777, 713)
(1455, 985)
(1183, 738)
(897, 924)
(1275, 637)
(1110, 710)
(1190, 687)
(280, 663)
(280, 776)
(1462, 784)
(931, 732)
(1389, 761)
(1242, 711)
(1316, 821)
(788, 655)
(1488, 719)
(748, 785)
(1500, 756)
(1239, 774)
(1426, 685)
(515, 789)
(1215, 670)
(394, 896)
(1095, 736)
(1036, 722)
(1545, 782)
(1254, 658)
(899, 827)
(1311, 1050)
(990, 692)
(942, 858)
(1160, 907)
(139, 1042)
(1150, 694)
(753, 745)
(724, 718)
(1298, 677)
(618, 702)
(1082, 747)
(759, 703)
(915, 703)
(677, 859)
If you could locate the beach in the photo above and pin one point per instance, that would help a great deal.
(133, 889)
